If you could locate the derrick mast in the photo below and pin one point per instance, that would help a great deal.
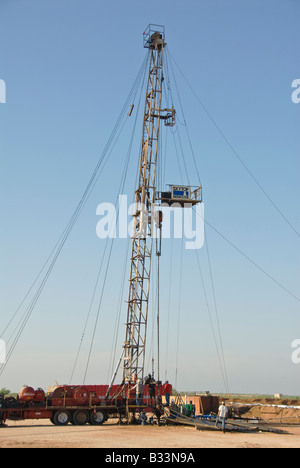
(145, 196)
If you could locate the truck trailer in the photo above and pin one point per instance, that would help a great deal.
(80, 405)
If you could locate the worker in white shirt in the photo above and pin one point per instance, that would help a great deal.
(139, 392)
(222, 415)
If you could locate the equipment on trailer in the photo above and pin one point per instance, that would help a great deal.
(79, 404)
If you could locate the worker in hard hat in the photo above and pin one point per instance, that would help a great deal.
(167, 390)
(222, 415)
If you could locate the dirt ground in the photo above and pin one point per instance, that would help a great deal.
(42, 434)
(273, 414)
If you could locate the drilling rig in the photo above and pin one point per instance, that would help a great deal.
(145, 198)
(80, 404)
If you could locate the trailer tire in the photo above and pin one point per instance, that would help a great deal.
(61, 418)
(97, 418)
(80, 418)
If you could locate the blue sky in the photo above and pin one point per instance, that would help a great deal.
(68, 67)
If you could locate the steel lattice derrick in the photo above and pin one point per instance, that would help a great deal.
(140, 271)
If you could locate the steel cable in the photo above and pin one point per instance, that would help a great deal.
(64, 236)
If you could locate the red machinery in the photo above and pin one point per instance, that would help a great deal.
(28, 394)
(78, 404)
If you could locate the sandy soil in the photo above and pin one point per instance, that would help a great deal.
(42, 434)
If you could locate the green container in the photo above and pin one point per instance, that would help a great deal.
(187, 410)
